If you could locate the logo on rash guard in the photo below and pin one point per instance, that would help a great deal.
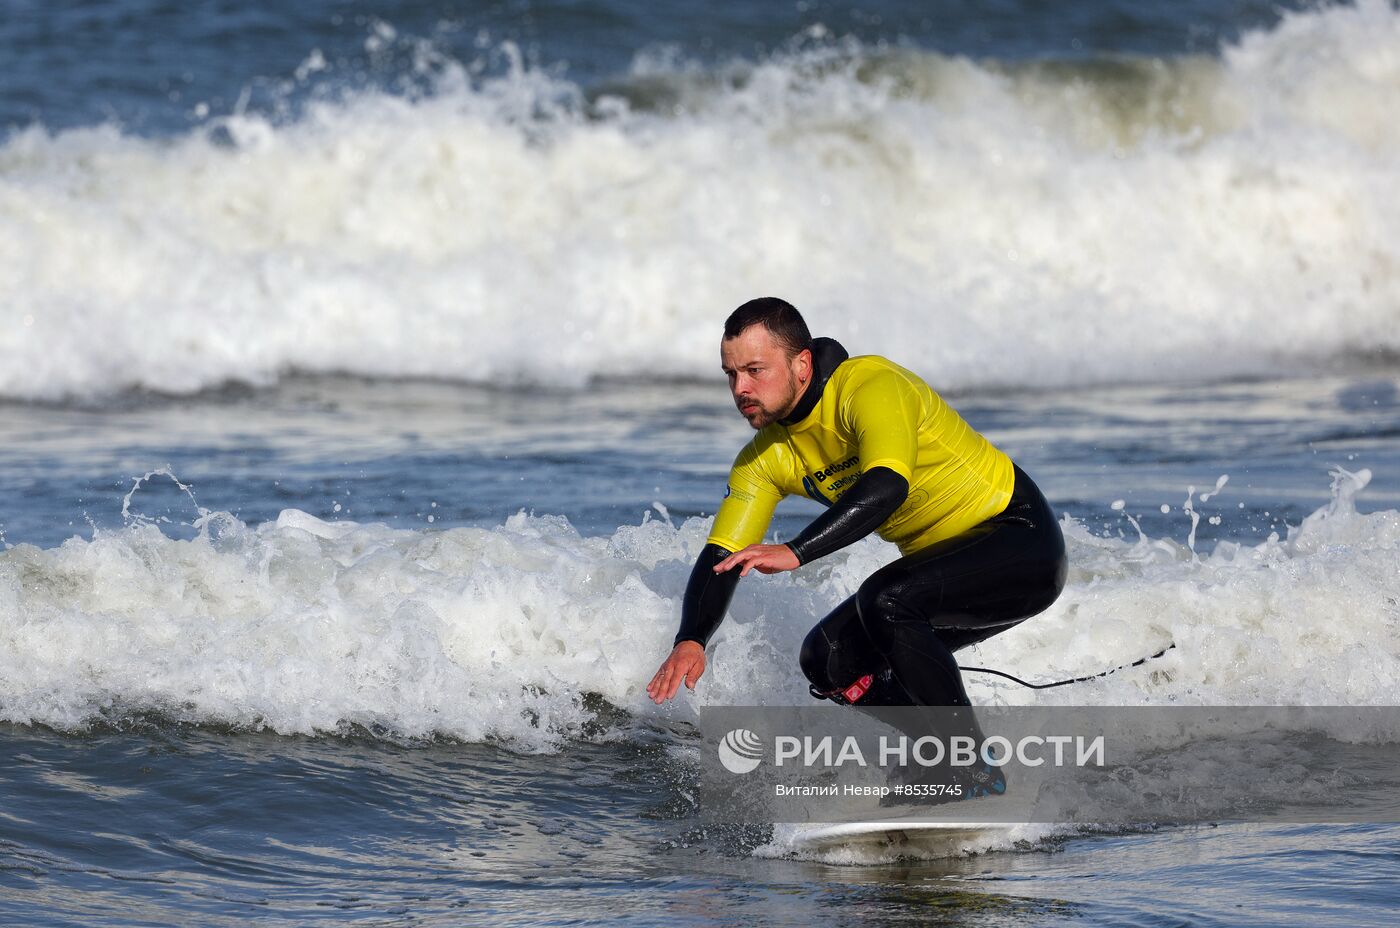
(830, 470)
(825, 496)
(741, 494)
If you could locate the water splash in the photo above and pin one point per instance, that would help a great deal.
(134, 518)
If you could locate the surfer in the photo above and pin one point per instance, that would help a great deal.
(981, 549)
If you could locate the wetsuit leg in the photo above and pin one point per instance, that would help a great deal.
(837, 653)
(908, 618)
(919, 609)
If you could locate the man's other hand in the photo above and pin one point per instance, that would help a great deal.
(766, 559)
(687, 662)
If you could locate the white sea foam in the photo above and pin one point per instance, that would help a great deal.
(1310, 618)
(303, 626)
(983, 224)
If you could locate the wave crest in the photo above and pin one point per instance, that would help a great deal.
(983, 223)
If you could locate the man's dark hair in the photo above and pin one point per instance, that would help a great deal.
(779, 317)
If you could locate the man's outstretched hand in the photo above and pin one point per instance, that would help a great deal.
(766, 559)
(687, 662)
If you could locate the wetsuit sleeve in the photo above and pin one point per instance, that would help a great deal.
(743, 517)
(883, 414)
(707, 597)
(863, 508)
(749, 501)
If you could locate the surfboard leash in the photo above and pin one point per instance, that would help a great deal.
(1093, 676)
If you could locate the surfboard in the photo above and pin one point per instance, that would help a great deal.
(923, 836)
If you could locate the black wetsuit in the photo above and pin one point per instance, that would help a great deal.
(908, 617)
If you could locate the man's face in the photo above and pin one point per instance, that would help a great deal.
(763, 380)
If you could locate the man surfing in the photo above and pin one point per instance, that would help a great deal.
(981, 550)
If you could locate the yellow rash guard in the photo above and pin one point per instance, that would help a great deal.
(871, 413)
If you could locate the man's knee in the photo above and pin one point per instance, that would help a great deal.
(815, 660)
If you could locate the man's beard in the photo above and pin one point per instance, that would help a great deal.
(768, 415)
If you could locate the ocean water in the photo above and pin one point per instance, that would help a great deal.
(360, 419)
